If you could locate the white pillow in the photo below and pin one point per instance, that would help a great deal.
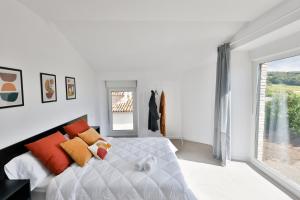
(67, 136)
(26, 166)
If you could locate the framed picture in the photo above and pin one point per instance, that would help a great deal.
(48, 88)
(70, 88)
(11, 88)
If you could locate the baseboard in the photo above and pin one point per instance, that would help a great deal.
(240, 158)
(197, 142)
(125, 135)
(174, 137)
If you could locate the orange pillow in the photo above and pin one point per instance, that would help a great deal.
(76, 128)
(90, 136)
(48, 151)
(77, 150)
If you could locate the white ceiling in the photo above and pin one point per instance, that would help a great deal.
(154, 34)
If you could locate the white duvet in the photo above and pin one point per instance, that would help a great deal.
(116, 178)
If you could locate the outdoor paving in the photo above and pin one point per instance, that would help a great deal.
(283, 158)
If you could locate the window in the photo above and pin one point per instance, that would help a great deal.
(122, 107)
(122, 110)
(278, 124)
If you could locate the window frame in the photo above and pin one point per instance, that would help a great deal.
(285, 184)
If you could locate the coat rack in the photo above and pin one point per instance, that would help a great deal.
(181, 137)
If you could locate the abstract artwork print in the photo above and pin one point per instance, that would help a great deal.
(48, 87)
(70, 88)
(11, 87)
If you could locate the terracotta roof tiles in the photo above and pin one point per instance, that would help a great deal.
(126, 106)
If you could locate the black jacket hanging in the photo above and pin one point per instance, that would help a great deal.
(153, 114)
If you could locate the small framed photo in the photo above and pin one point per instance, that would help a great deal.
(70, 88)
(48, 87)
(11, 88)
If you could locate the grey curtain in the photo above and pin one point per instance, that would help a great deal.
(222, 130)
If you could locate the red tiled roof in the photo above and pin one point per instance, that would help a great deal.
(123, 106)
(114, 93)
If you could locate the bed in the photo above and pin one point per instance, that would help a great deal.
(116, 177)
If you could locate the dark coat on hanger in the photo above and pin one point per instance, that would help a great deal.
(153, 114)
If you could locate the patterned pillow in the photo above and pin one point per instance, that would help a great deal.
(100, 149)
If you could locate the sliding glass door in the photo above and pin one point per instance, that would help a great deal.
(278, 118)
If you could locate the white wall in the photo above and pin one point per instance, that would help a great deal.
(146, 81)
(241, 105)
(199, 84)
(284, 47)
(34, 45)
(268, 24)
(198, 99)
(271, 36)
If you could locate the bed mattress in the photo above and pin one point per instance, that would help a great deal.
(116, 178)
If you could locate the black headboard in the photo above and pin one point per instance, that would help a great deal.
(14, 150)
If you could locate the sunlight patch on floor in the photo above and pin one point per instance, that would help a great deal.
(237, 181)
